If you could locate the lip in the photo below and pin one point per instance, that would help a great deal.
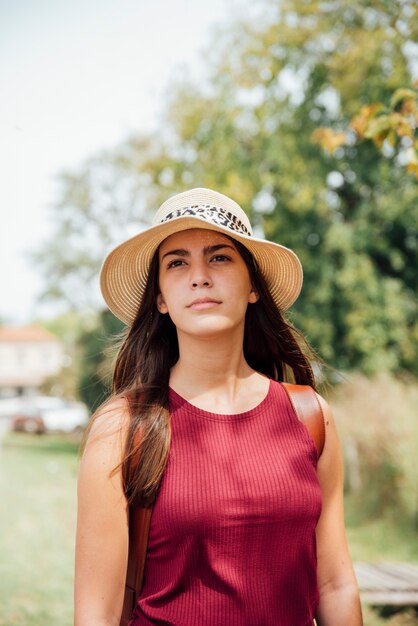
(201, 304)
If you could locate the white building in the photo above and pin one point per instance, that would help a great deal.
(28, 356)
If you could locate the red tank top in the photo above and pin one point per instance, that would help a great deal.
(232, 536)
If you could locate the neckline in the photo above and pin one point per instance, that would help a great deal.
(178, 402)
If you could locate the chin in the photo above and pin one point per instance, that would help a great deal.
(209, 328)
(214, 330)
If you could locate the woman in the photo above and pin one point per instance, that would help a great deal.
(247, 527)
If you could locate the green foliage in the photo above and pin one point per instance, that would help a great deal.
(87, 341)
(399, 617)
(99, 205)
(390, 129)
(94, 375)
(67, 327)
(289, 69)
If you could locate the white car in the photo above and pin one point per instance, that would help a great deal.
(40, 414)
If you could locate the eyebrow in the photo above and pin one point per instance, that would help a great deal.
(206, 250)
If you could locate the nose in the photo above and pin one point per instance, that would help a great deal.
(200, 276)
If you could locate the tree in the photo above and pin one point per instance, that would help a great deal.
(392, 130)
(94, 380)
(350, 213)
(99, 205)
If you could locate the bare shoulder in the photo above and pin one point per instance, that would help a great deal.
(329, 464)
(326, 409)
(111, 416)
(329, 422)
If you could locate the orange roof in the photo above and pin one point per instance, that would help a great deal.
(25, 333)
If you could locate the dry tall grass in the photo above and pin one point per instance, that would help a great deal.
(378, 425)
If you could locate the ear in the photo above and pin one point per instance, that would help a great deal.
(253, 297)
(161, 305)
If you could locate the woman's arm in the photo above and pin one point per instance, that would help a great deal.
(339, 597)
(102, 522)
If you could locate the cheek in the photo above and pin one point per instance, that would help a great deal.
(241, 287)
(171, 295)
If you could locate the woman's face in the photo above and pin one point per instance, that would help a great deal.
(204, 282)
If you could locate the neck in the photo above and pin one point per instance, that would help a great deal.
(210, 363)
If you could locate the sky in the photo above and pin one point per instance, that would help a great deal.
(78, 77)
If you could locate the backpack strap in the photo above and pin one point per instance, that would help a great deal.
(306, 405)
(139, 520)
(139, 523)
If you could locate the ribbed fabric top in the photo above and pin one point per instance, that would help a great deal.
(232, 536)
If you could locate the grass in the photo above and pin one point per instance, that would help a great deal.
(38, 495)
(384, 539)
(37, 524)
(407, 617)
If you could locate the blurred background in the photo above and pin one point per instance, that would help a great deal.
(305, 113)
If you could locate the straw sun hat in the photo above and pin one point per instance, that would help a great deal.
(125, 270)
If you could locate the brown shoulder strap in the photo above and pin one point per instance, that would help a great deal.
(139, 523)
(308, 409)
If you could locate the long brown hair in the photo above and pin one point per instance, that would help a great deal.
(149, 349)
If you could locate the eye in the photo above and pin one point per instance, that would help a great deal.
(175, 263)
(220, 258)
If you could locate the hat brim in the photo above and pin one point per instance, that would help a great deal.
(124, 273)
